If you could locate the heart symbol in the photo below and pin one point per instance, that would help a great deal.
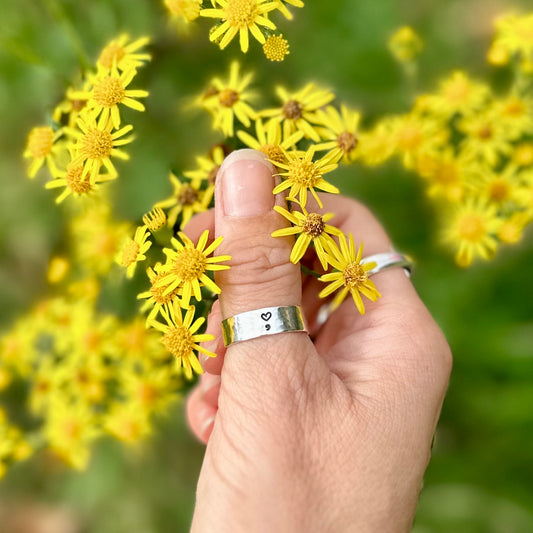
(266, 316)
(267, 327)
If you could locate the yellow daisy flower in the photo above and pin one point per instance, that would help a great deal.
(375, 146)
(514, 113)
(187, 267)
(209, 166)
(512, 228)
(303, 174)
(240, 17)
(96, 145)
(186, 10)
(41, 148)
(127, 422)
(157, 297)
(124, 55)
(405, 44)
(298, 109)
(155, 219)
(180, 337)
(280, 5)
(351, 275)
(71, 105)
(73, 184)
(269, 140)
(228, 100)
(340, 132)
(310, 228)
(276, 48)
(187, 199)
(472, 230)
(109, 90)
(523, 154)
(134, 250)
(515, 35)
(496, 188)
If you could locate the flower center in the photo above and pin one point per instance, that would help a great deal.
(109, 92)
(178, 341)
(187, 195)
(446, 174)
(347, 142)
(78, 105)
(212, 176)
(313, 225)
(228, 97)
(304, 173)
(499, 190)
(515, 108)
(472, 227)
(241, 13)
(276, 48)
(292, 110)
(354, 275)
(158, 292)
(111, 53)
(130, 252)
(40, 142)
(485, 133)
(74, 181)
(274, 152)
(97, 144)
(190, 264)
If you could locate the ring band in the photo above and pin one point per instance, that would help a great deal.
(265, 321)
(388, 260)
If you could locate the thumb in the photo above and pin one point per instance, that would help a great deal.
(261, 274)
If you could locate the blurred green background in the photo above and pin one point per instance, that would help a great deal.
(481, 475)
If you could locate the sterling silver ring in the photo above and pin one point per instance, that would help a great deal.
(265, 321)
(388, 260)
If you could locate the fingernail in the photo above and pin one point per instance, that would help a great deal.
(247, 184)
(208, 422)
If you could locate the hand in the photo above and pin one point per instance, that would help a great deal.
(330, 434)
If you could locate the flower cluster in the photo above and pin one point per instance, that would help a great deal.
(303, 124)
(239, 18)
(87, 133)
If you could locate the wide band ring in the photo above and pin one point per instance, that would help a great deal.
(388, 260)
(265, 321)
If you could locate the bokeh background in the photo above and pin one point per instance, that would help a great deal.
(481, 475)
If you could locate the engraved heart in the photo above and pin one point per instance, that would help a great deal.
(266, 316)
(267, 327)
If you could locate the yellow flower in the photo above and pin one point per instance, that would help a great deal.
(109, 90)
(269, 140)
(405, 44)
(187, 199)
(41, 148)
(497, 188)
(157, 298)
(485, 136)
(187, 10)
(58, 268)
(375, 145)
(70, 428)
(124, 55)
(155, 219)
(276, 48)
(127, 422)
(187, 265)
(298, 109)
(96, 145)
(472, 230)
(512, 228)
(514, 34)
(228, 100)
(180, 337)
(303, 174)
(515, 114)
(523, 154)
(209, 166)
(310, 227)
(280, 5)
(73, 184)
(340, 131)
(134, 250)
(71, 105)
(351, 275)
(240, 17)
(138, 345)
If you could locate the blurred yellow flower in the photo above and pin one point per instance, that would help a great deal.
(124, 55)
(405, 44)
(41, 148)
(134, 250)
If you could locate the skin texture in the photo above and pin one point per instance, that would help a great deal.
(328, 432)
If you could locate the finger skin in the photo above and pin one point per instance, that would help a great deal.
(200, 414)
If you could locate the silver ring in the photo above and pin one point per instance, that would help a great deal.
(265, 321)
(388, 260)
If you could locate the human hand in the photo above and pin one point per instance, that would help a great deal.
(329, 434)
